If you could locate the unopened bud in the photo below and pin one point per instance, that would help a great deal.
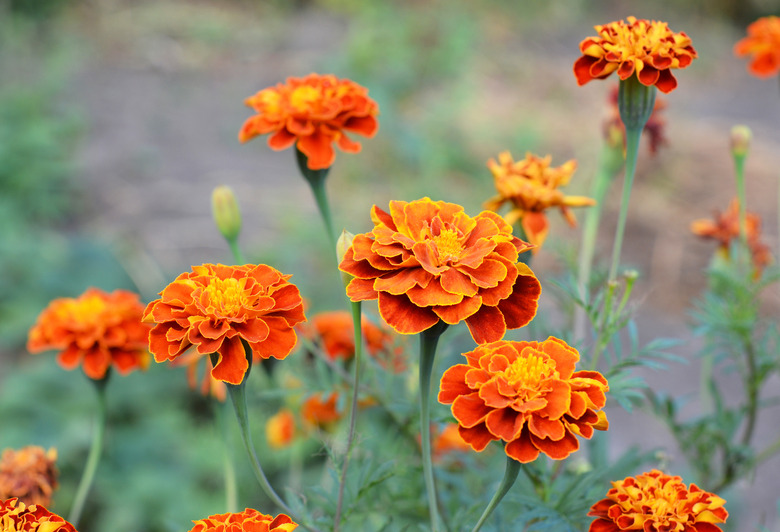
(227, 216)
(740, 140)
(342, 245)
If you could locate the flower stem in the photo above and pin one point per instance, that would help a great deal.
(632, 150)
(357, 325)
(510, 475)
(231, 486)
(237, 394)
(429, 339)
(236, 250)
(316, 179)
(94, 453)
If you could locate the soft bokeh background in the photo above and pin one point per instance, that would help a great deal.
(118, 118)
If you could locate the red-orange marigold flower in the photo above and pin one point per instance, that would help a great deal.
(320, 412)
(15, 516)
(427, 261)
(762, 44)
(531, 186)
(526, 394)
(648, 48)
(725, 228)
(29, 474)
(280, 429)
(247, 521)
(216, 307)
(335, 331)
(97, 329)
(655, 502)
(312, 112)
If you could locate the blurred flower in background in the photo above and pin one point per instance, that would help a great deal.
(312, 112)
(280, 429)
(98, 329)
(28, 474)
(762, 44)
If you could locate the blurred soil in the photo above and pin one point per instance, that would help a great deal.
(164, 104)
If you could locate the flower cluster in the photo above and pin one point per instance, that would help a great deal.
(530, 186)
(648, 48)
(762, 44)
(216, 308)
(15, 516)
(655, 502)
(725, 228)
(247, 521)
(312, 112)
(526, 394)
(97, 329)
(29, 474)
(427, 261)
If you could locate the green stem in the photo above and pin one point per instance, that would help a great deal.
(632, 149)
(316, 179)
(610, 163)
(231, 485)
(429, 339)
(236, 250)
(94, 453)
(768, 452)
(238, 398)
(751, 386)
(510, 475)
(739, 170)
(357, 325)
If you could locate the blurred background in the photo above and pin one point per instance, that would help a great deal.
(119, 117)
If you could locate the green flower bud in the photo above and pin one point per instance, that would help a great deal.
(227, 215)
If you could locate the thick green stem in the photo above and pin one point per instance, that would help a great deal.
(357, 325)
(739, 170)
(632, 150)
(238, 398)
(510, 475)
(229, 469)
(94, 454)
(429, 339)
(316, 179)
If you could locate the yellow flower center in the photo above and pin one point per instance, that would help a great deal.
(303, 97)
(448, 245)
(85, 311)
(226, 296)
(529, 372)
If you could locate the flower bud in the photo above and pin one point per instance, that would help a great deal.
(740, 140)
(227, 216)
(342, 245)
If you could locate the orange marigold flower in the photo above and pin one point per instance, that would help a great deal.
(427, 261)
(447, 441)
(216, 308)
(97, 329)
(526, 394)
(762, 44)
(321, 413)
(247, 521)
(312, 112)
(29, 474)
(334, 331)
(654, 128)
(15, 516)
(655, 502)
(531, 186)
(725, 227)
(648, 48)
(280, 429)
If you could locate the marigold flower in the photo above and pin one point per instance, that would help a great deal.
(280, 429)
(97, 329)
(648, 48)
(312, 112)
(427, 261)
(725, 227)
(29, 474)
(335, 332)
(654, 128)
(15, 516)
(448, 441)
(526, 394)
(247, 521)
(762, 44)
(319, 412)
(655, 502)
(216, 308)
(531, 186)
